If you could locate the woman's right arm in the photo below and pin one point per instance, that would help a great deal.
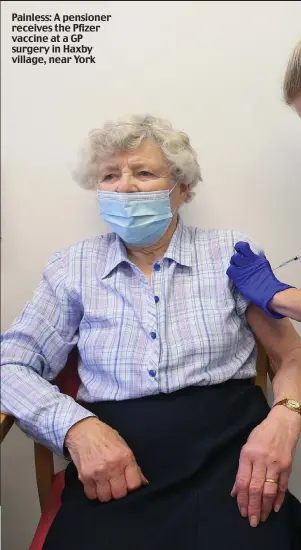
(33, 351)
(287, 303)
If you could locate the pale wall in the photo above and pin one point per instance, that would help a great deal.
(215, 70)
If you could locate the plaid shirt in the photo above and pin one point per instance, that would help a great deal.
(186, 328)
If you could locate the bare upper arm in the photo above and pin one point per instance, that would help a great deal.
(278, 336)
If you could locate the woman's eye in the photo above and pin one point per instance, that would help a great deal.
(145, 173)
(108, 177)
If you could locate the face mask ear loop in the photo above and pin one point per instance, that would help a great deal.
(170, 192)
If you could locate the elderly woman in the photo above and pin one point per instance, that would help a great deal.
(171, 445)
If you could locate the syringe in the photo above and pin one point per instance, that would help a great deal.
(288, 262)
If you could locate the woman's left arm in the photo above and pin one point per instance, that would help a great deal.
(270, 449)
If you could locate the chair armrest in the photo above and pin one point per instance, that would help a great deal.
(6, 423)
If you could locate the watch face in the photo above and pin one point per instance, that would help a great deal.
(293, 404)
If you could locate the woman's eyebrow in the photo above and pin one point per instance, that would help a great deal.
(134, 163)
(109, 167)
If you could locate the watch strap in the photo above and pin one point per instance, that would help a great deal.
(290, 404)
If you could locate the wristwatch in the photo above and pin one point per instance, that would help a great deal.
(290, 404)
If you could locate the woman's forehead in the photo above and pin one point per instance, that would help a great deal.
(147, 152)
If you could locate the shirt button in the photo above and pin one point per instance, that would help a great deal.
(156, 299)
(157, 267)
(153, 335)
(152, 373)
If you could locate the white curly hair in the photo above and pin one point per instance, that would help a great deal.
(128, 134)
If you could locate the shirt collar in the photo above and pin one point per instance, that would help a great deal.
(179, 250)
(116, 255)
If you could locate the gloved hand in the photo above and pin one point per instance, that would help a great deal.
(254, 278)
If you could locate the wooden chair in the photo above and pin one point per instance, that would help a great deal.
(49, 484)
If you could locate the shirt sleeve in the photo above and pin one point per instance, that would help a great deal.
(241, 302)
(33, 351)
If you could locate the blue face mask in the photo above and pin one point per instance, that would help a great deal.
(140, 219)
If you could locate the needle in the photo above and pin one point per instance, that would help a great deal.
(288, 262)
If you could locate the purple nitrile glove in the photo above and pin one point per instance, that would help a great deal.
(254, 278)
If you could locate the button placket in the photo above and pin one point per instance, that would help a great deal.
(156, 268)
(156, 285)
(154, 345)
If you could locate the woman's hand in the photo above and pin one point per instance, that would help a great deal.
(268, 454)
(106, 465)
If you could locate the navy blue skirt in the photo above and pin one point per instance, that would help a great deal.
(187, 444)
